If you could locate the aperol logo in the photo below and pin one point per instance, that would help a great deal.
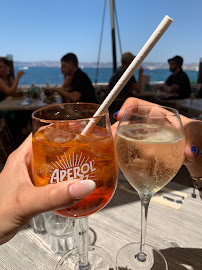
(72, 167)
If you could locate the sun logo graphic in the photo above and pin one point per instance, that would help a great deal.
(72, 167)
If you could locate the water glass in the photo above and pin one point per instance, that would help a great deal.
(192, 97)
(60, 233)
(38, 225)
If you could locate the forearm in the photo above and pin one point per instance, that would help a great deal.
(14, 86)
(9, 90)
(71, 96)
(5, 239)
(167, 89)
(170, 89)
(138, 85)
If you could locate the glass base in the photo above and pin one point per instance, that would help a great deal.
(129, 258)
(98, 260)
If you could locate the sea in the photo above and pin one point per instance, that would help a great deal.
(52, 75)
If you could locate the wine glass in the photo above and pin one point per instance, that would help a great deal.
(63, 151)
(150, 142)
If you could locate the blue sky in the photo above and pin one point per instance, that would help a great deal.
(43, 30)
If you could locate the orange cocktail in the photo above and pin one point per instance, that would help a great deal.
(61, 153)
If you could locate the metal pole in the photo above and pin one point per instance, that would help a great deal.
(113, 34)
(200, 71)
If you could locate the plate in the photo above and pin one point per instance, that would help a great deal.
(25, 103)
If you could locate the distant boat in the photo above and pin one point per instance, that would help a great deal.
(151, 68)
(24, 68)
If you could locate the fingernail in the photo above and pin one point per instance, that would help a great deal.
(115, 114)
(81, 189)
(195, 150)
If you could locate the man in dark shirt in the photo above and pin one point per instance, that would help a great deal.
(77, 86)
(131, 87)
(178, 83)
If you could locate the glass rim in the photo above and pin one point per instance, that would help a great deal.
(173, 112)
(95, 105)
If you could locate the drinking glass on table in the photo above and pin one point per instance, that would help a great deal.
(150, 142)
(60, 233)
(63, 151)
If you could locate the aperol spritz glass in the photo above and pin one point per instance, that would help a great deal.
(62, 151)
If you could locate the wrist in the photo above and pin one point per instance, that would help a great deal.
(68, 88)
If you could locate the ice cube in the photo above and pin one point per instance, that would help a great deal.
(45, 171)
(56, 135)
(83, 139)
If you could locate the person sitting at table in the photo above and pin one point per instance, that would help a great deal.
(8, 85)
(20, 200)
(77, 86)
(178, 82)
(131, 87)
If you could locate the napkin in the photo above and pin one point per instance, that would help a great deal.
(162, 197)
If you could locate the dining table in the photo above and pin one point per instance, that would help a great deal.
(175, 231)
(189, 107)
(26, 104)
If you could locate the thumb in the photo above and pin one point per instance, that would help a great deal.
(191, 152)
(193, 149)
(55, 196)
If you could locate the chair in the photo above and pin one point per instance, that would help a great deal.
(100, 92)
(196, 90)
(199, 92)
(145, 83)
(7, 143)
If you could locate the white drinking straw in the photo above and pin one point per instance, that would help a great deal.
(151, 42)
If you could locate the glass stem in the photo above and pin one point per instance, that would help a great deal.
(82, 241)
(145, 200)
